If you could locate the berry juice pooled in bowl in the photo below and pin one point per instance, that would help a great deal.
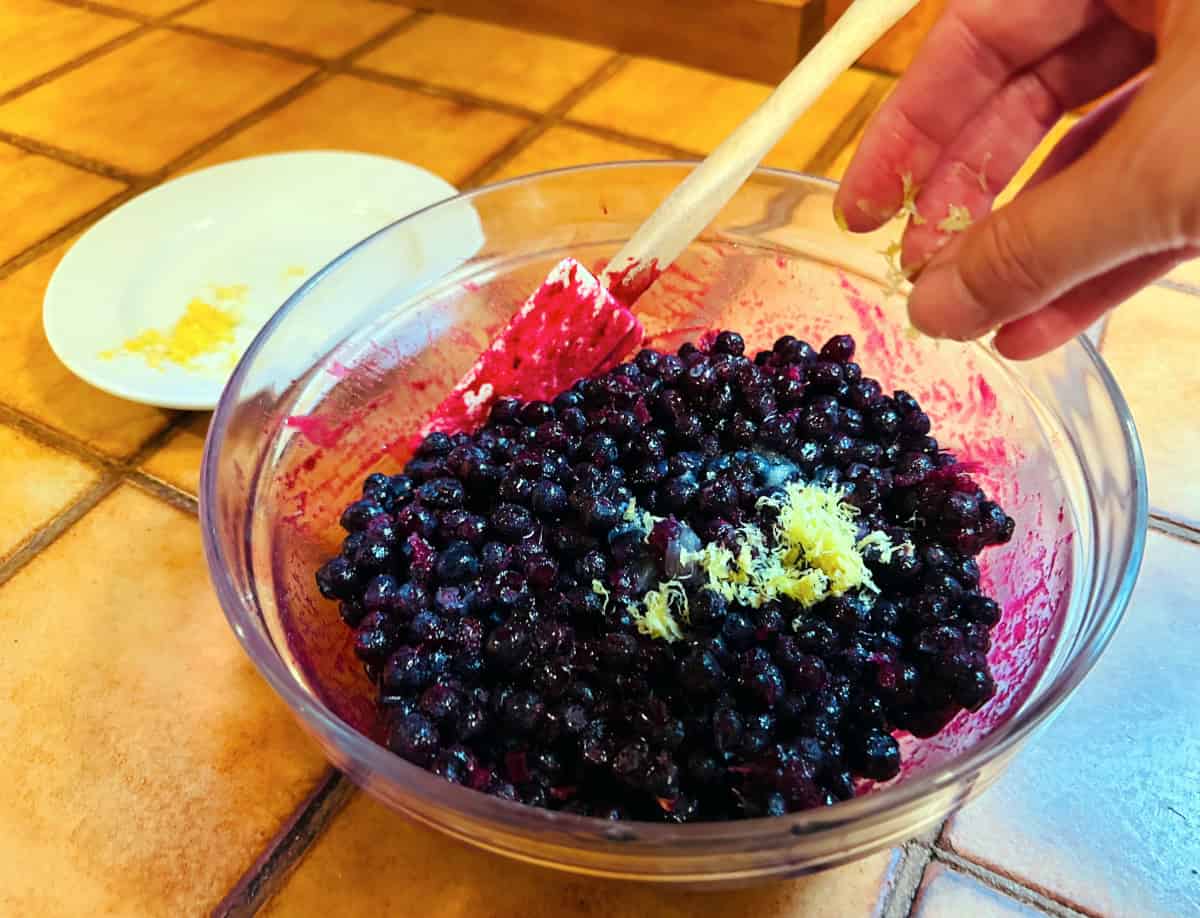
(658, 611)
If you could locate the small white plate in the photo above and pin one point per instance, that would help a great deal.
(240, 237)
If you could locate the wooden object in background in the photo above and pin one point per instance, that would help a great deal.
(753, 39)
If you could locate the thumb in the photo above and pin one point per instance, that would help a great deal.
(1090, 218)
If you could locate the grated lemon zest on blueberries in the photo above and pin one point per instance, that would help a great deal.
(600, 590)
(657, 617)
(815, 553)
(644, 519)
(958, 220)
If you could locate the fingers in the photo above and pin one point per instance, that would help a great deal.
(1087, 132)
(1072, 314)
(971, 53)
(995, 144)
(1045, 243)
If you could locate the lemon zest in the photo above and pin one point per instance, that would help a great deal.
(657, 617)
(908, 205)
(958, 220)
(815, 552)
(896, 277)
(600, 590)
(235, 293)
(645, 520)
(203, 329)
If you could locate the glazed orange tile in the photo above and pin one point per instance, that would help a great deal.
(36, 483)
(521, 68)
(1150, 347)
(38, 35)
(33, 381)
(41, 195)
(696, 110)
(391, 863)
(177, 462)
(326, 28)
(146, 103)
(348, 113)
(148, 763)
(567, 146)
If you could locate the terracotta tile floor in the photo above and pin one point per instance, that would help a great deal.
(150, 768)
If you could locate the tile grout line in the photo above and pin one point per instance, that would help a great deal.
(553, 115)
(268, 108)
(142, 24)
(69, 158)
(112, 475)
(50, 532)
(267, 875)
(462, 97)
(606, 133)
(246, 44)
(324, 71)
(905, 880)
(1006, 885)
(116, 12)
(56, 439)
(163, 490)
(120, 41)
(60, 235)
(905, 883)
(1168, 526)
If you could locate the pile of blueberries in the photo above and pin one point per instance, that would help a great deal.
(471, 579)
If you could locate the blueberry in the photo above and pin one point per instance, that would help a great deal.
(414, 738)
(523, 711)
(512, 522)
(338, 579)
(507, 646)
(435, 444)
(374, 638)
(839, 348)
(457, 562)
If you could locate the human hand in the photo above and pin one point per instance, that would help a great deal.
(1115, 206)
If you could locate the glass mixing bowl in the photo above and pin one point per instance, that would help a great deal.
(337, 382)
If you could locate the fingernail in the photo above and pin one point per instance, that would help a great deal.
(877, 212)
(839, 217)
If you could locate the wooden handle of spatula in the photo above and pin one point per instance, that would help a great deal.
(690, 207)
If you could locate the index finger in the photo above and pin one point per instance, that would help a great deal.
(970, 54)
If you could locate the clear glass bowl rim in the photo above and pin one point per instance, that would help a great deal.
(377, 759)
